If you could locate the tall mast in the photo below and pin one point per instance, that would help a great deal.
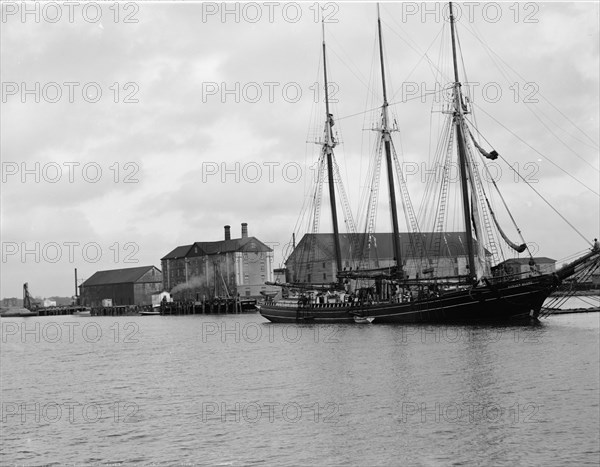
(328, 146)
(385, 132)
(462, 157)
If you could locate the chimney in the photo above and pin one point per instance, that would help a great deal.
(227, 232)
(244, 230)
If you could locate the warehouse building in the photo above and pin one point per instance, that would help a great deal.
(131, 286)
(540, 265)
(437, 253)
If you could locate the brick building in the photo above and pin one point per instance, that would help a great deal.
(131, 286)
(218, 269)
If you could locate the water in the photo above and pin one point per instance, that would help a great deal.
(577, 301)
(236, 390)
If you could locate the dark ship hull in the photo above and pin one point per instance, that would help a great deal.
(509, 301)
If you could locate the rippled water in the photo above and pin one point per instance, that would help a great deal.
(236, 390)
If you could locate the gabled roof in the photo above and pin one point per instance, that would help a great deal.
(428, 244)
(184, 252)
(245, 244)
(118, 276)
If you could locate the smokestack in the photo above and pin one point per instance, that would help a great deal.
(244, 230)
(227, 232)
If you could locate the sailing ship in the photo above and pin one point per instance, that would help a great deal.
(390, 294)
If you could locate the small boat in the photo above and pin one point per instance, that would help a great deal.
(149, 313)
(83, 312)
(363, 319)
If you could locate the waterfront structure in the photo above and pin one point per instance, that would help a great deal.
(279, 275)
(12, 302)
(130, 286)
(218, 269)
(533, 266)
(313, 259)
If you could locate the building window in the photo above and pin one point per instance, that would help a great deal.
(324, 276)
(247, 293)
(308, 278)
(324, 265)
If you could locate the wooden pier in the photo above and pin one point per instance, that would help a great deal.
(188, 307)
(60, 310)
(120, 310)
(208, 307)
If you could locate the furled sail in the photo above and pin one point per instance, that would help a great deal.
(481, 266)
(518, 248)
(493, 155)
(480, 259)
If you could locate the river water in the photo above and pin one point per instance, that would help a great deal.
(235, 390)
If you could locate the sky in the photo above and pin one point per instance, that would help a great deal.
(128, 129)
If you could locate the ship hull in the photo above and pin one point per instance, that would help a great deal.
(511, 301)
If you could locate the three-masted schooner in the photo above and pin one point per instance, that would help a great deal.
(475, 297)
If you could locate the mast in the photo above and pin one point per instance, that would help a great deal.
(462, 156)
(328, 146)
(388, 157)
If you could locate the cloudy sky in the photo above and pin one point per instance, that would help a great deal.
(129, 129)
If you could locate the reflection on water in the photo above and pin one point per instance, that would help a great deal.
(236, 390)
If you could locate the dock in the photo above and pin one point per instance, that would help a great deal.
(208, 307)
